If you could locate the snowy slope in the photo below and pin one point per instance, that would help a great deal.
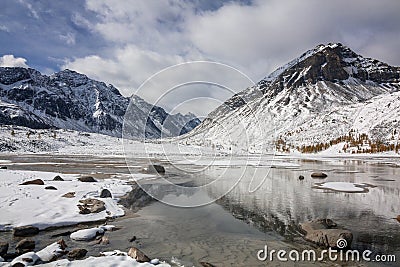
(322, 95)
(70, 100)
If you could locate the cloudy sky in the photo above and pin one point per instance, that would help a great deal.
(125, 42)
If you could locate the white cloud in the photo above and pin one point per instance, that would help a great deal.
(143, 37)
(29, 6)
(4, 28)
(11, 61)
(68, 38)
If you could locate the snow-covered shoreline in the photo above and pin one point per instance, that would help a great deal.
(35, 205)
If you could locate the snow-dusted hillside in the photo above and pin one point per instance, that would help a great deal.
(326, 94)
(70, 100)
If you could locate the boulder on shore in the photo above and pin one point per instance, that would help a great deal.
(324, 233)
(91, 205)
(105, 193)
(58, 178)
(50, 187)
(69, 195)
(27, 230)
(138, 255)
(33, 182)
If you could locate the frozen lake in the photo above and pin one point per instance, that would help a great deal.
(256, 204)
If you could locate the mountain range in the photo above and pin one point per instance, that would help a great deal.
(70, 100)
(328, 97)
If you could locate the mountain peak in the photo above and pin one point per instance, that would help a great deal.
(332, 62)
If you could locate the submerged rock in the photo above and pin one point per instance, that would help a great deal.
(206, 264)
(77, 253)
(104, 240)
(324, 232)
(154, 168)
(3, 248)
(33, 182)
(27, 230)
(25, 245)
(138, 255)
(318, 175)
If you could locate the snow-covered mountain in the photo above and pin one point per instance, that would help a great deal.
(70, 100)
(329, 95)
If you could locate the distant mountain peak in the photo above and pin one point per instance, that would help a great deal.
(71, 100)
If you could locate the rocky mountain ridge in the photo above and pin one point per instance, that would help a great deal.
(70, 100)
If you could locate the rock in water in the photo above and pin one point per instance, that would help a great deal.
(52, 251)
(301, 177)
(3, 167)
(206, 264)
(104, 240)
(318, 175)
(33, 182)
(3, 248)
(105, 193)
(87, 179)
(25, 245)
(77, 253)
(138, 255)
(153, 168)
(26, 231)
(58, 178)
(398, 218)
(27, 259)
(324, 232)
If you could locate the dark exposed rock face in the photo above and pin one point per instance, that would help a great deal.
(333, 63)
(71, 100)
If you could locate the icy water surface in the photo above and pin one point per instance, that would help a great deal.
(229, 232)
